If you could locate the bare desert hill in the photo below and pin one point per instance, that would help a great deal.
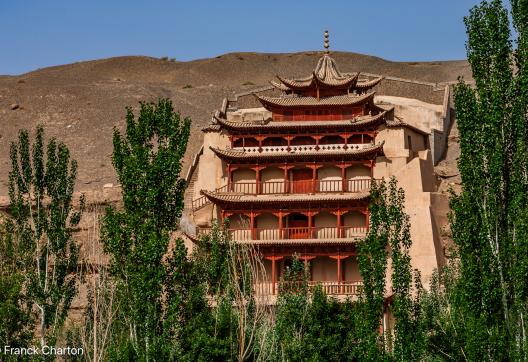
(81, 103)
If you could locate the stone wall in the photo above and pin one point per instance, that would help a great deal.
(438, 137)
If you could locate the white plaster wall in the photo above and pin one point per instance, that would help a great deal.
(324, 269)
(422, 115)
(351, 267)
(326, 220)
(329, 173)
(394, 139)
(211, 170)
(274, 175)
(240, 225)
(267, 221)
(268, 225)
(417, 140)
(249, 115)
(245, 178)
(354, 219)
(357, 171)
(417, 180)
(239, 221)
(244, 175)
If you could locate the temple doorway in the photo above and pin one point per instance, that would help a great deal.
(302, 182)
(298, 226)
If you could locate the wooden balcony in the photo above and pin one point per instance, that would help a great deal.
(344, 288)
(294, 233)
(304, 186)
(289, 187)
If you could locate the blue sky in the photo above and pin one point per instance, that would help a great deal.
(40, 33)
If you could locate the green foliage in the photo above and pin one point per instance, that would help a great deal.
(41, 194)
(389, 239)
(147, 159)
(443, 317)
(311, 326)
(372, 259)
(15, 322)
(482, 299)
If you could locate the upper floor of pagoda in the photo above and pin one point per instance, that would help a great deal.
(326, 94)
(325, 81)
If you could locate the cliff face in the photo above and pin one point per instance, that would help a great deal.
(81, 103)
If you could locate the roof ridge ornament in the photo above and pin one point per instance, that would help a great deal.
(326, 42)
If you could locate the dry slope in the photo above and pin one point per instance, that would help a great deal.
(80, 103)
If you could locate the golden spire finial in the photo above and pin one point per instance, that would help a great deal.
(326, 43)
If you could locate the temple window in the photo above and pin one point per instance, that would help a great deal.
(238, 142)
(331, 140)
(359, 139)
(302, 140)
(246, 142)
(275, 141)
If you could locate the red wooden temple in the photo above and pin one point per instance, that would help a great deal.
(297, 180)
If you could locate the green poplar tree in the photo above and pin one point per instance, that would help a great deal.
(388, 239)
(373, 259)
(148, 161)
(490, 215)
(41, 204)
(15, 321)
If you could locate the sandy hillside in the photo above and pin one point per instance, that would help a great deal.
(81, 103)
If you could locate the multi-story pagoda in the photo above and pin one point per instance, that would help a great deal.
(292, 177)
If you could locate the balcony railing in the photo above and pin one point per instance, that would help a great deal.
(328, 287)
(289, 187)
(304, 186)
(338, 147)
(341, 232)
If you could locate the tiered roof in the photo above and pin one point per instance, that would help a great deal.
(297, 101)
(242, 200)
(368, 152)
(326, 75)
(268, 125)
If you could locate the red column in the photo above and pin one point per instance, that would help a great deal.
(252, 225)
(285, 168)
(310, 225)
(314, 179)
(339, 275)
(286, 181)
(339, 224)
(273, 275)
(273, 271)
(229, 178)
(257, 187)
(281, 225)
(259, 139)
(343, 178)
(314, 168)
(317, 139)
(340, 278)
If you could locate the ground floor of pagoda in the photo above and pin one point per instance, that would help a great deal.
(335, 272)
